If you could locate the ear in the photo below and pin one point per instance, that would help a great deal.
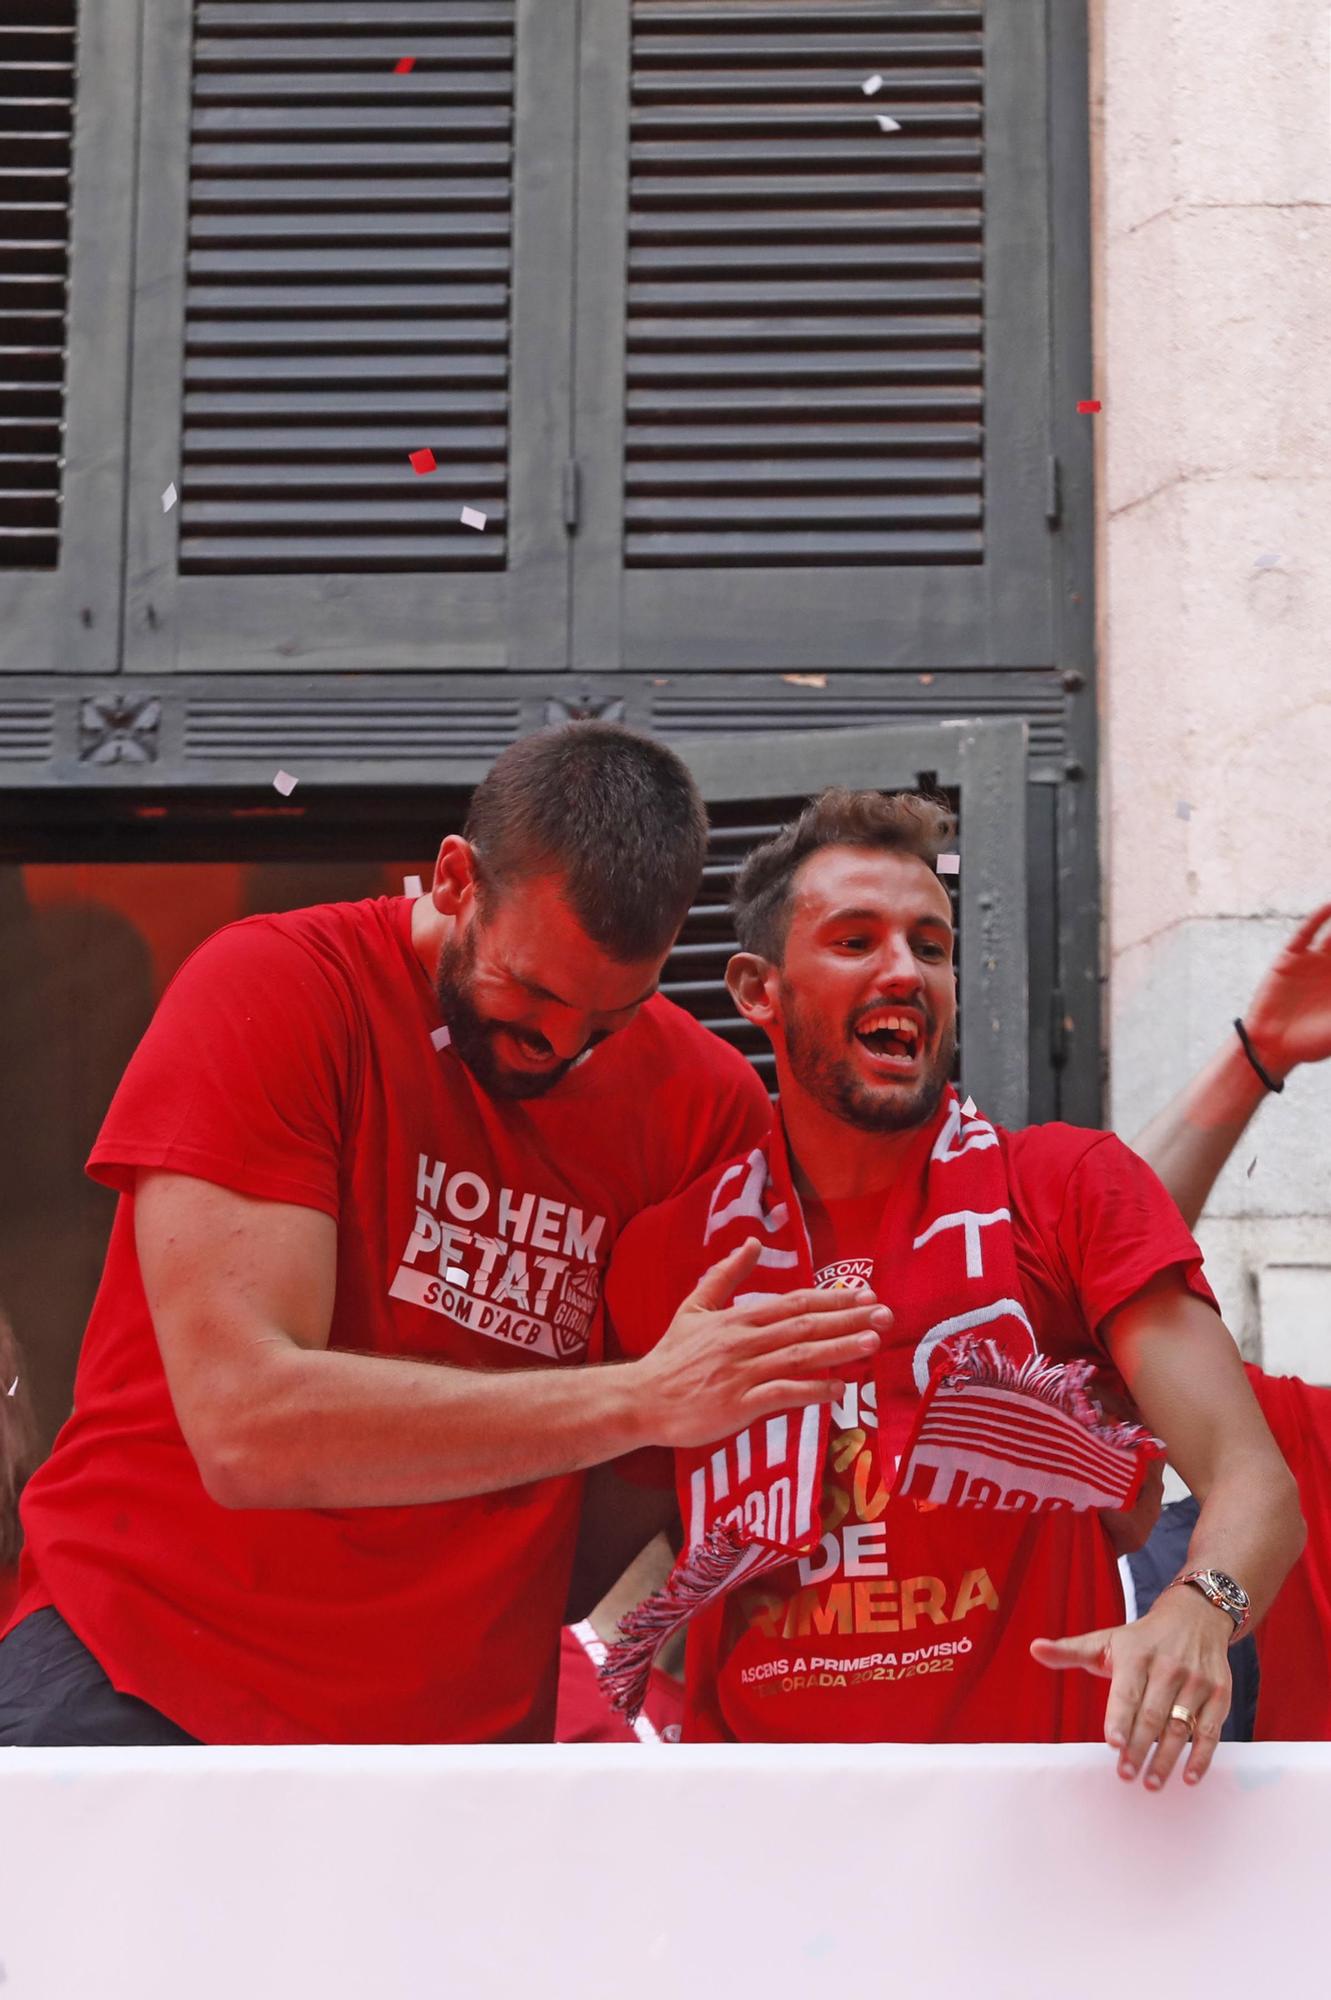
(752, 983)
(455, 879)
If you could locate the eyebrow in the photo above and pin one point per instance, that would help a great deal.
(544, 993)
(875, 916)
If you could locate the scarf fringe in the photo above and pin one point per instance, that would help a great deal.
(626, 1671)
(1062, 1385)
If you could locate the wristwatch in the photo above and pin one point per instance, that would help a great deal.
(1223, 1592)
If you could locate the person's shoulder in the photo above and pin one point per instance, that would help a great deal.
(695, 1054)
(330, 935)
(682, 1215)
(340, 928)
(1055, 1147)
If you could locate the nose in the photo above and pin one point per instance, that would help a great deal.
(568, 1034)
(896, 964)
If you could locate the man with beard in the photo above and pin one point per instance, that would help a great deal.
(902, 1618)
(321, 1477)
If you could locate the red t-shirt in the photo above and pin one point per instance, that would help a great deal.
(912, 1623)
(291, 1060)
(1294, 1638)
(585, 1714)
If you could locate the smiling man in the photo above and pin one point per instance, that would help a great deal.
(824, 1606)
(321, 1479)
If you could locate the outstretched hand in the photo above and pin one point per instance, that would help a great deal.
(1177, 1655)
(1289, 1017)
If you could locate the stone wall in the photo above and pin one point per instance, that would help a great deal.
(1212, 262)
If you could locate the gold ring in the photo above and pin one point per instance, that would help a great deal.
(1178, 1713)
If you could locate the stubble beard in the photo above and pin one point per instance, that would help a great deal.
(472, 1037)
(832, 1083)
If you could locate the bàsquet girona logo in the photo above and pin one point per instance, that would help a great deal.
(522, 1268)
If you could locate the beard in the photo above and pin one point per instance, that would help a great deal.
(474, 1038)
(833, 1083)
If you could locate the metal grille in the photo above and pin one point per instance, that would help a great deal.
(348, 286)
(805, 310)
(694, 976)
(37, 43)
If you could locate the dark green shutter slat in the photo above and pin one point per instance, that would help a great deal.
(795, 270)
(37, 49)
(348, 287)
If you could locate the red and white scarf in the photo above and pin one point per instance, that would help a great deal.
(969, 1412)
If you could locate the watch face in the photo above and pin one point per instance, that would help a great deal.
(1231, 1589)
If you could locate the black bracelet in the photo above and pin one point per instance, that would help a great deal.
(1248, 1051)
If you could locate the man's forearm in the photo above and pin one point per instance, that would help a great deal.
(1251, 1527)
(324, 1428)
(1189, 1142)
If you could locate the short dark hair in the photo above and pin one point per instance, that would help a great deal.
(614, 813)
(898, 822)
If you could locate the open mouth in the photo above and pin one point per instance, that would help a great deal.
(893, 1040)
(529, 1055)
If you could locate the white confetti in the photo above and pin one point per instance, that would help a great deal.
(285, 784)
(806, 680)
(412, 885)
(440, 1039)
(949, 864)
(887, 124)
(472, 517)
(872, 85)
(169, 498)
(968, 1108)
(455, 1275)
(13, 1385)
(1266, 562)
(1183, 810)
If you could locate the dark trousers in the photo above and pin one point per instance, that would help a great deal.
(53, 1693)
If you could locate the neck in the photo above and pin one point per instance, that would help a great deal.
(428, 931)
(834, 1161)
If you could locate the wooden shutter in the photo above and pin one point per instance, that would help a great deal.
(332, 253)
(65, 189)
(829, 443)
(753, 785)
(36, 135)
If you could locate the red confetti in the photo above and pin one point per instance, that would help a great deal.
(404, 66)
(423, 460)
(1088, 409)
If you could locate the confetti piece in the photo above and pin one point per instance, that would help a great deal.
(423, 460)
(1183, 810)
(13, 1385)
(806, 680)
(169, 498)
(412, 885)
(441, 1038)
(968, 1108)
(949, 864)
(872, 85)
(404, 65)
(1088, 409)
(455, 1275)
(887, 124)
(1266, 562)
(926, 680)
(285, 784)
(1249, 1174)
(472, 517)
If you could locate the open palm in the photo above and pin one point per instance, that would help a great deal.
(1289, 1018)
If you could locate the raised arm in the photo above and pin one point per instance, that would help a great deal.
(1288, 1023)
(241, 1297)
